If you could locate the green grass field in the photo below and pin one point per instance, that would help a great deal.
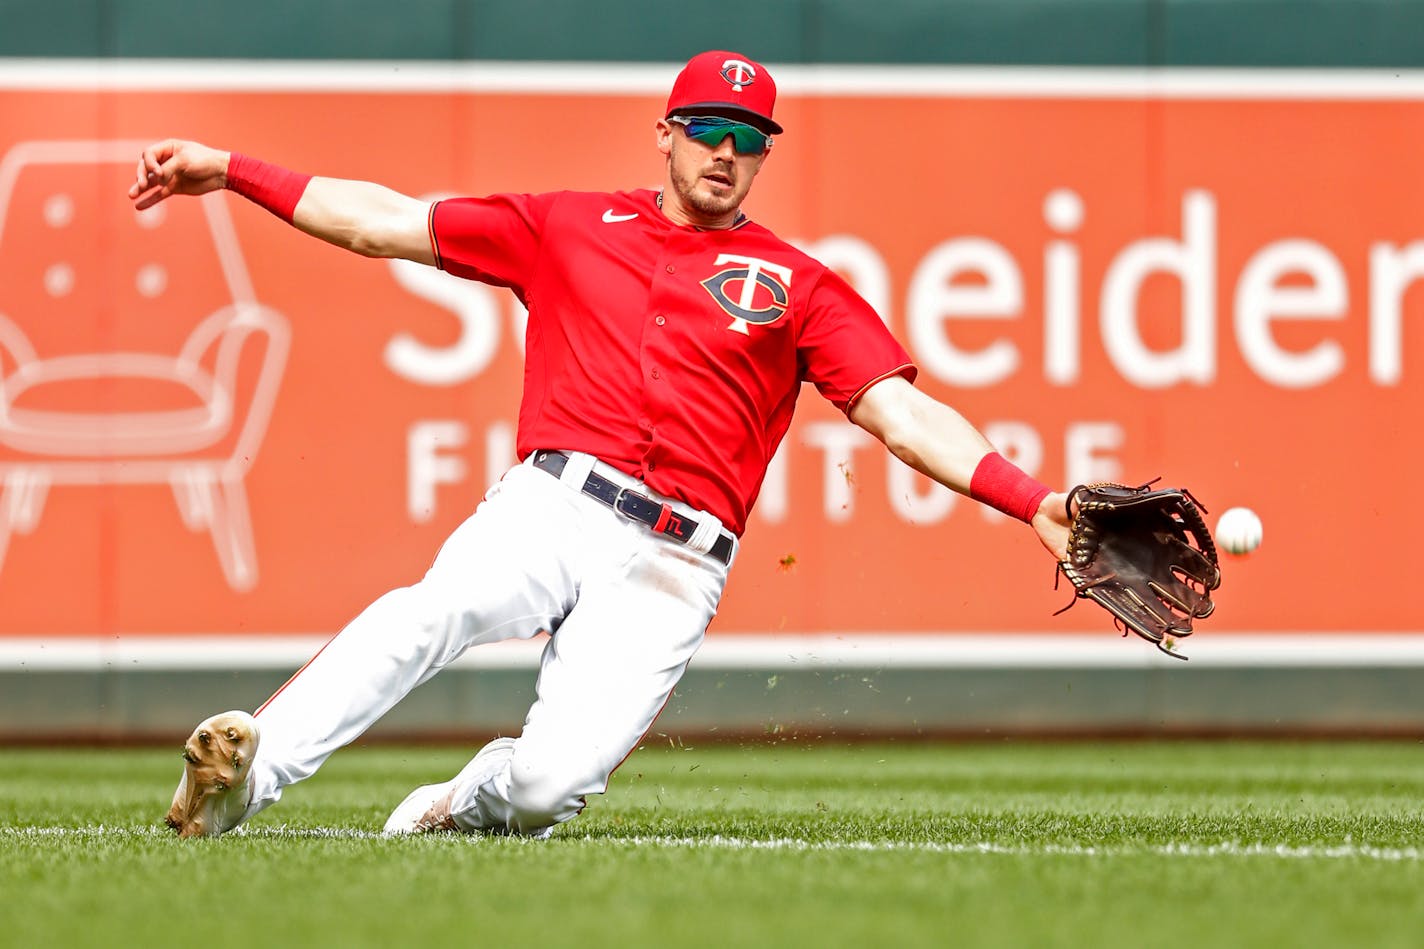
(789, 844)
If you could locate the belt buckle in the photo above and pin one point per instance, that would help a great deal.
(667, 522)
(618, 502)
(622, 503)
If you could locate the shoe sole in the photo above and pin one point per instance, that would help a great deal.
(218, 759)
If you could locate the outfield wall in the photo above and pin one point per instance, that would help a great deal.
(135, 689)
(1212, 275)
(1253, 33)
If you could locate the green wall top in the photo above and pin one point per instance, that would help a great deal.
(1225, 33)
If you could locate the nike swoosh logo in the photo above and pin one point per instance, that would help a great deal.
(610, 218)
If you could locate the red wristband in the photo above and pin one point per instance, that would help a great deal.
(273, 187)
(1005, 487)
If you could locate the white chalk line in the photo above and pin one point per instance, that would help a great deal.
(1343, 851)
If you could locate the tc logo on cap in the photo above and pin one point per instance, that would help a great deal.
(724, 81)
(738, 73)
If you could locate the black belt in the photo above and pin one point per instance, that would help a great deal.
(659, 517)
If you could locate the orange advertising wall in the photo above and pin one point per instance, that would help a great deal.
(211, 423)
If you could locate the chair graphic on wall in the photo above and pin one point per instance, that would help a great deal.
(132, 347)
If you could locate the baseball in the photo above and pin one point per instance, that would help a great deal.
(1238, 531)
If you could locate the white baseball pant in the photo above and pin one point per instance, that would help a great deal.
(626, 609)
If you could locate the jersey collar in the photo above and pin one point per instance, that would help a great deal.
(737, 222)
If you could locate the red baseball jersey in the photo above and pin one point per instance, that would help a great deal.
(674, 354)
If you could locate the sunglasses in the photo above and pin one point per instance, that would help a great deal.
(711, 131)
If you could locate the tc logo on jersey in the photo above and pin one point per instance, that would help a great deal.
(752, 275)
(738, 73)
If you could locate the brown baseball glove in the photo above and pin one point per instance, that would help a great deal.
(1144, 555)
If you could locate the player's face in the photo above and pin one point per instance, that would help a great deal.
(708, 183)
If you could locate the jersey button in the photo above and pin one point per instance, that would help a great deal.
(656, 374)
(671, 269)
(660, 319)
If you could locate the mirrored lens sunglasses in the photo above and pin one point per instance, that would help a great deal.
(711, 130)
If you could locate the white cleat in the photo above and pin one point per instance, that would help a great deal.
(427, 809)
(214, 791)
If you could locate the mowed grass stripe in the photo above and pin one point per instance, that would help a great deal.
(785, 844)
(718, 841)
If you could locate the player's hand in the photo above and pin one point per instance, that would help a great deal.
(1052, 524)
(176, 167)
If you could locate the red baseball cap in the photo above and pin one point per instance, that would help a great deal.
(725, 84)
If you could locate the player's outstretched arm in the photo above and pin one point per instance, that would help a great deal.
(360, 216)
(937, 441)
(367, 218)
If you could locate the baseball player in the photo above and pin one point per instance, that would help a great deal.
(668, 337)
